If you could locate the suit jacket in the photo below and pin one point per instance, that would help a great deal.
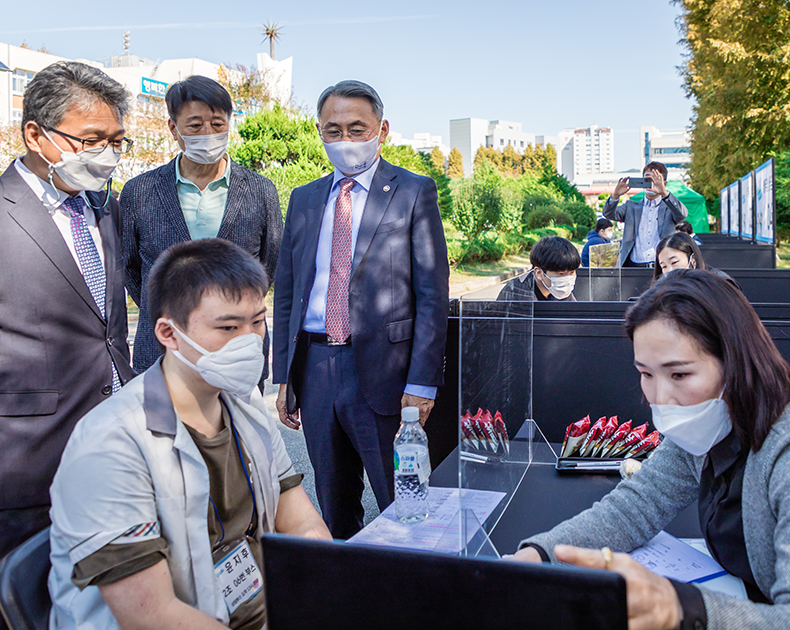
(55, 348)
(398, 292)
(670, 211)
(153, 221)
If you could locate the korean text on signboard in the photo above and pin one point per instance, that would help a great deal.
(747, 206)
(735, 209)
(154, 88)
(725, 210)
(764, 201)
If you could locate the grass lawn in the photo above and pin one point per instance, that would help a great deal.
(467, 273)
(783, 250)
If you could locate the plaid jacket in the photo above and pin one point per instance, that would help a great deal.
(153, 221)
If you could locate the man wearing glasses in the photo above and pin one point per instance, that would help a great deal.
(360, 306)
(62, 305)
(201, 193)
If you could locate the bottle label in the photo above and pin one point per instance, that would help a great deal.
(413, 459)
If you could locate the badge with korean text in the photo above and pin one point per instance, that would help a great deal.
(238, 575)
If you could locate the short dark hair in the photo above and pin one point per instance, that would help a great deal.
(554, 253)
(683, 243)
(603, 224)
(684, 226)
(352, 89)
(719, 318)
(656, 166)
(201, 89)
(185, 272)
(64, 84)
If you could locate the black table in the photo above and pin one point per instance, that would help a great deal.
(546, 498)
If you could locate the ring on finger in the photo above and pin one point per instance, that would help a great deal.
(608, 556)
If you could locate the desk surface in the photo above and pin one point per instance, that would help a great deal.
(546, 498)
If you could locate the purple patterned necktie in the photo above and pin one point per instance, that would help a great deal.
(90, 262)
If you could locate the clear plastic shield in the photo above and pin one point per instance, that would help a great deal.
(498, 439)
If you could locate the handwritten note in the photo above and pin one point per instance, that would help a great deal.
(672, 558)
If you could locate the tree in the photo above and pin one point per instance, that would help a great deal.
(11, 145)
(437, 159)
(153, 142)
(737, 68)
(271, 31)
(455, 164)
(247, 87)
(511, 162)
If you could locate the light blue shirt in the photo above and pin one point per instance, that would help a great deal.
(203, 210)
(315, 318)
(647, 236)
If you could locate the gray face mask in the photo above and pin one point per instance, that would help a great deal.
(206, 149)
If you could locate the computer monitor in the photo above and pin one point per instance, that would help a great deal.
(316, 585)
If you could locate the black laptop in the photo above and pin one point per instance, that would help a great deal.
(318, 585)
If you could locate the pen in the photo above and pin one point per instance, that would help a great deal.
(615, 464)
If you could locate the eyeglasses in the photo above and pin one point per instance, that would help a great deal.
(96, 145)
(355, 134)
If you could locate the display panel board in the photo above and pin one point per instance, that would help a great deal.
(735, 208)
(747, 207)
(725, 210)
(765, 206)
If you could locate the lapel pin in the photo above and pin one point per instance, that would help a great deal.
(386, 188)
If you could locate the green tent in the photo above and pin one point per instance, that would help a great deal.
(698, 212)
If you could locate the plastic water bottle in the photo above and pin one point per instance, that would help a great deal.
(412, 468)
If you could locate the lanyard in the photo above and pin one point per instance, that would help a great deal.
(251, 526)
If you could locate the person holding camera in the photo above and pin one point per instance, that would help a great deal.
(647, 221)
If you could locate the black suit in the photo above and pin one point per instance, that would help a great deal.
(153, 221)
(56, 349)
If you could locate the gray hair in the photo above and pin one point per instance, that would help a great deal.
(353, 89)
(65, 84)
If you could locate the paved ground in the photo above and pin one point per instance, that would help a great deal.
(294, 443)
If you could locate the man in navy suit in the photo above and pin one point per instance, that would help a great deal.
(201, 193)
(360, 306)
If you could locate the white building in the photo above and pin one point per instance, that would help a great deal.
(278, 75)
(422, 142)
(469, 134)
(671, 148)
(145, 79)
(585, 151)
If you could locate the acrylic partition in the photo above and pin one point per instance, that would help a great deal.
(605, 286)
(498, 439)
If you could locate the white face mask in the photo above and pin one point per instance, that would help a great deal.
(208, 149)
(608, 235)
(89, 169)
(694, 428)
(561, 287)
(236, 367)
(352, 158)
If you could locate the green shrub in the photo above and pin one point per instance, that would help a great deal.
(583, 215)
(484, 248)
(541, 217)
(563, 218)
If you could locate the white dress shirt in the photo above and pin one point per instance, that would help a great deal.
(53, 199)
(315, 318)
(647, 235)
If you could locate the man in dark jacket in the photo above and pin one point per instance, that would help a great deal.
(553, 275)
(600, 235)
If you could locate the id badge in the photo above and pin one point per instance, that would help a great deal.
(238, 575)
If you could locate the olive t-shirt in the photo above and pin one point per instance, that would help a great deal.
(231, 494)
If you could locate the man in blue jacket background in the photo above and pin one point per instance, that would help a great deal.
(600, 235)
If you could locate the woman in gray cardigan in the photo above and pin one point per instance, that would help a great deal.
(719, 391)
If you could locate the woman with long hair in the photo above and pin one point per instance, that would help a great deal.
(719, 392)
(680, 251)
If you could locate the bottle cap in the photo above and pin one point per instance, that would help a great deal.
(410, 414)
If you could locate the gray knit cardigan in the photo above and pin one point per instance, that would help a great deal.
(637, 509)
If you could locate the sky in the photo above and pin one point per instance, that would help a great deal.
(549, 65)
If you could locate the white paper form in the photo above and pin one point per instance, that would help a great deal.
(672, 558)
(443, 505)
(727, 584)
